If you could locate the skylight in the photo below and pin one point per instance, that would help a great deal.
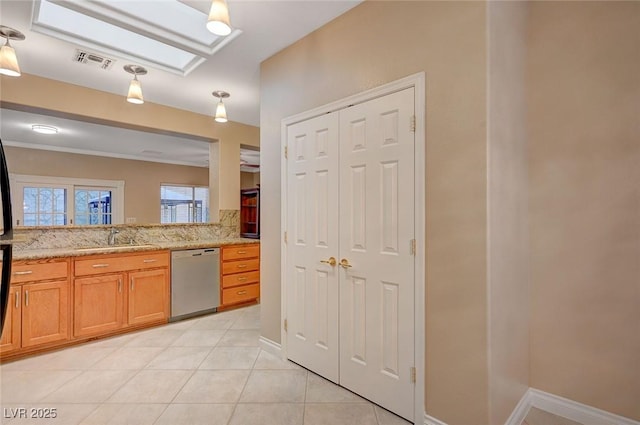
(164, 34)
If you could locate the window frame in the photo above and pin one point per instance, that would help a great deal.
(20, 181)
(193, 188)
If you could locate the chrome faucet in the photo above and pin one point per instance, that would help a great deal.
(112, 236)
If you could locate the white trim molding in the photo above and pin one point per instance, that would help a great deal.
(574, 410)
(566, 408)
(521, 410)
(270, 346)
(430, 420)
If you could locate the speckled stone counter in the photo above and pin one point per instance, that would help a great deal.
(38, 254)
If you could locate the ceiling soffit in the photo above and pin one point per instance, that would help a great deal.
(167, 35)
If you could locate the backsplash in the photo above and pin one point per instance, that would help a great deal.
(90, 236)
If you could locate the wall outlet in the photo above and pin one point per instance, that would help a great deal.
(130, 220)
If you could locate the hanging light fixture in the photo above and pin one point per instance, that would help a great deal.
(218, 22)
(135, 90)
(8, 60)
(221, 111)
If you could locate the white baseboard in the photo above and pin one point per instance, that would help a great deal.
(430, 420)
(557, 405)
(575, 411)
(270, 346)
(521, 410)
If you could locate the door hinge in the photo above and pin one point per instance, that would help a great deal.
(412, 245)
(286, 325)
(413, 375)
(285, 237)
(286, 152)
(412, 123)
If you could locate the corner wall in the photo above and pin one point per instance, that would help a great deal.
(508, 238)
(584, 160)
(352, 54)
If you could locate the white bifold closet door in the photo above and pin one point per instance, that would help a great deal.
(350, 197)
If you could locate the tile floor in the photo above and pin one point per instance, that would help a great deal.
(207, 370)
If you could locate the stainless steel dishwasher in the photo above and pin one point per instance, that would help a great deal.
(195, 282)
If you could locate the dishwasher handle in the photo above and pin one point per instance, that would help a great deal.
(190, 253)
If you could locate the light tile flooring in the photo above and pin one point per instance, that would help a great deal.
(207, 370)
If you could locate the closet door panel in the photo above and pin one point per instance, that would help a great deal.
(312, 223)
(376, 229)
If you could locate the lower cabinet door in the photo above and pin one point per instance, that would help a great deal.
(11, 334)
(98, 305)
(148, 296)
(45, 313)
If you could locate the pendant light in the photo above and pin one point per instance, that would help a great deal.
(221, 111)
(135, 89)
(218, 22)
(8, 60)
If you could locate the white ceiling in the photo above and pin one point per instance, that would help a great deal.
(261, 29)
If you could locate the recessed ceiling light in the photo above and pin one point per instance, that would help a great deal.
(44, 129)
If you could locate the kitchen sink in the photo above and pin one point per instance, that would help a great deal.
(114, 248)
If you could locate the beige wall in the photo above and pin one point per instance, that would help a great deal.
(507, 196)
(584, 149)
(142, 178)
(352, 54)
(249, 180)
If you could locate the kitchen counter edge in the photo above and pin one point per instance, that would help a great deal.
(38, 254)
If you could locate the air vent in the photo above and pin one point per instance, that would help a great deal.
(93, 59)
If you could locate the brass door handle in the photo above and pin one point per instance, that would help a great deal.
(344, 263)
(331, 261)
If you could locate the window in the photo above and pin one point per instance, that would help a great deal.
(184, 204)
(58, 201)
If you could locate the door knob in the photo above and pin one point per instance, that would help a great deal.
(331, 261)
(344, 263)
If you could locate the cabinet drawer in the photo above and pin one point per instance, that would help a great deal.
(242, 251)
(21, 272)
(241, 293)
(112, 264)
(240, 266)
(237, 279)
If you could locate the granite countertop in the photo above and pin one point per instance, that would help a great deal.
(37, 254)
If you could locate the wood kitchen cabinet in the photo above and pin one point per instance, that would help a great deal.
(113, 292)
(148, 296)
(99, 304)
(250, 213)
(240, 274)
(45, 312)
(11, 334)
(38, 308)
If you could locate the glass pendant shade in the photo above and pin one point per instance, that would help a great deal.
(8, 61)
(135, 92)
(218, 22)
(221, 112)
